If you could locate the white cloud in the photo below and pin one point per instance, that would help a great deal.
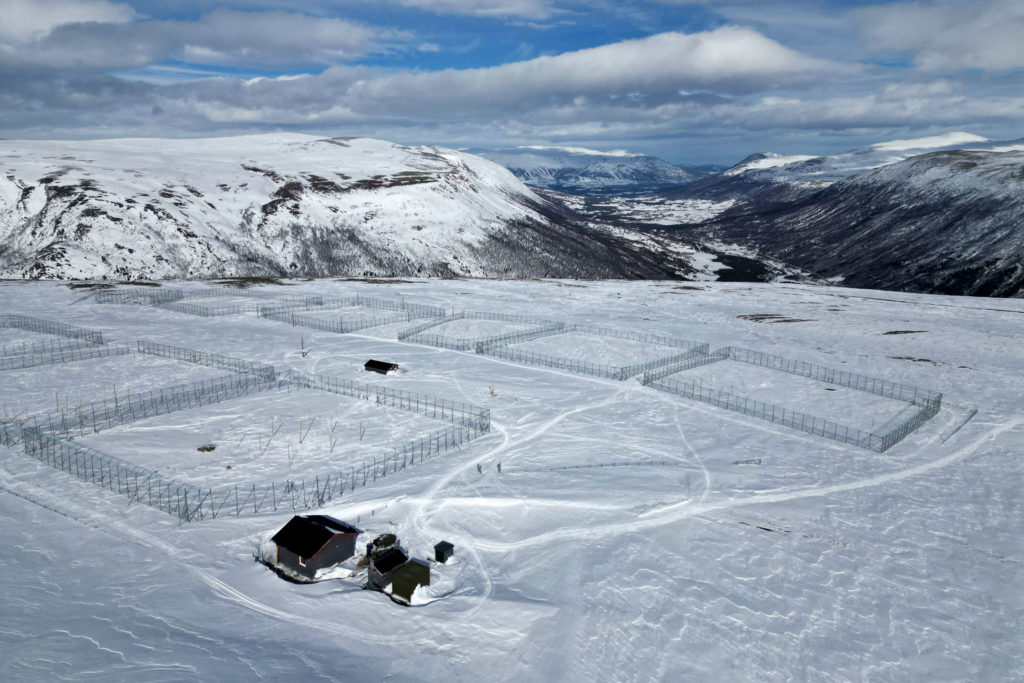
(222, 37)
(727, 59)
(24, 20)
(950, 34)
(531, 9)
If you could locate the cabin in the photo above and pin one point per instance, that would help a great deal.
(406, 578)
(309, 543)
(382, 566)
(443, 552)
(380, 366)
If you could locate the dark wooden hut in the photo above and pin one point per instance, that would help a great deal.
(443, 551)
(380, 366)
(309, 543)
(382, 566)
(407, 577)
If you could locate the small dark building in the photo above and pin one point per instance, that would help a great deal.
(443, 551)
(406, 578)
(308, 543)
(380, 366)
(382, 566)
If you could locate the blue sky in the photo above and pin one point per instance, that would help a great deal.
(691, 81)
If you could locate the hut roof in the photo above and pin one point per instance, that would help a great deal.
(306, 535)
(380, 366)
(389, 561)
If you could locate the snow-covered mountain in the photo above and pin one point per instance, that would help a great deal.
(779, 178)
(586, 171)
(285, 204)
(943, 222)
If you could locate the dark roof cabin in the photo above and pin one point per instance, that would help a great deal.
(381, 567)
(405, 579)
(309, 543)
(443, 551)
(380, 366)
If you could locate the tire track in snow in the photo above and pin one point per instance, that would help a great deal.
(686, 509)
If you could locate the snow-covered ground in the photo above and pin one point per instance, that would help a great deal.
(655, 210)
(823, 562)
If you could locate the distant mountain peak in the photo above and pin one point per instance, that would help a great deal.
(762, 160)
(579, 170)
(583, 151)
(932, 142)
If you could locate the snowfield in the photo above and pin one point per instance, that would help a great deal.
(631, 535)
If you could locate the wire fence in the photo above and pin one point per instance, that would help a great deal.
(212, 360)
(100, 415)
(64, 354)
(206, 311)
(24, 322)
(416, 334)
(707, 357)
(416, 310)
(50, 444)
(483, 346)
(41, 347)
(872, 385)
(339, 324)
(49, 438)
(404, 335)
(922, 404)
(642, 337)
(428, 405)
(498, 347)
(164, 295)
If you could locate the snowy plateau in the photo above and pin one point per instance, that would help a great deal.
(630, 535)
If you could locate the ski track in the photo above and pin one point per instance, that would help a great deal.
(686, 509)
(222, 589)
(425, 507)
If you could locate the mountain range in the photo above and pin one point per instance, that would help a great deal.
(299, 205)
(585, 171)
(939, 214)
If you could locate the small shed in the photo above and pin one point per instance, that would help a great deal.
(382, 566)
(309, 543)
(380, 366)
(405, 579)
(443, 551)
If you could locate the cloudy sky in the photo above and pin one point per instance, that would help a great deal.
(691, 81)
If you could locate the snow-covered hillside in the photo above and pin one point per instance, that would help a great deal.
(772, 177)
(286, 204)
(947, 222)
(585, 171)
(719, 547)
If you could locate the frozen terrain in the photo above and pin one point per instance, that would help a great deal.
(718, 547)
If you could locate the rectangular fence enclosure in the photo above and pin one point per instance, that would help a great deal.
(922, 404)
(49, 438)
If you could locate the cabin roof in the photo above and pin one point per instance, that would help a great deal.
(389, 561)
(306, 535)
